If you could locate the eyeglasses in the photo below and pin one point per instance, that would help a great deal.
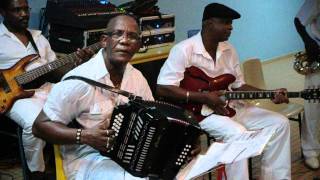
(117, 34)
(20, 9)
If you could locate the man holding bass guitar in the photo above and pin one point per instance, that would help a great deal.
(207, 59)
(18, 42)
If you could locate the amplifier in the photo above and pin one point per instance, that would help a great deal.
(82, 14)
(157, 37)
(156, 22)
(65, 39)
(157, 31)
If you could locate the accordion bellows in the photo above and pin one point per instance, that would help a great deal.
(153, 139)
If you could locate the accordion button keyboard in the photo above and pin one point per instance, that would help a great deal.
(125, 161)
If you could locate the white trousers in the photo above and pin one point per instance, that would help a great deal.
(24, 112)
(276, 158)
(95, 167)
(310, 124)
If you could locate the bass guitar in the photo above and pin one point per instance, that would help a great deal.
(196, 80)
(12, 79)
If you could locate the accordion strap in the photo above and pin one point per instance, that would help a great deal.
(131, 96)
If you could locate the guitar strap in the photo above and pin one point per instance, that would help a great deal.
(104, 86)
(30, 38)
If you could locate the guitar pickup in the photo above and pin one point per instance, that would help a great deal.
(3, 84)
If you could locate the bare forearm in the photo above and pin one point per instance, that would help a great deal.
(53, 132)
(177, 94)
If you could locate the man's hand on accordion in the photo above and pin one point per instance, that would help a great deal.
(197, 148)
(99, 136)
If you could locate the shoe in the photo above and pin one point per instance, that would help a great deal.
(312, 162)
(37, 175)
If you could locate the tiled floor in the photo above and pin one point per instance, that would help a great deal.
(280, 68)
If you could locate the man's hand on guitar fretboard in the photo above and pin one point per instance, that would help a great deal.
(280, 96)
(83, 55)
(215, 103)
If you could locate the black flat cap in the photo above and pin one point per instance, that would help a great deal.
(219, 11)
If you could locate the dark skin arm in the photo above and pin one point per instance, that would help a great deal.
(58, 133)
(197, 148)
(279, 98)
(174, 93)
(311, 46)
(211, 99)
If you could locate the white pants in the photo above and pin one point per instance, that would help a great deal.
(96, 167)
(276, 158)
(310, 124)
(24, 112)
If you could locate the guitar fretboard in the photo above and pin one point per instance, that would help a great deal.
(39, 71)
(258, 94)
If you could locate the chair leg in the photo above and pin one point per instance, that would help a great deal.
(299, 120)
(25, 169)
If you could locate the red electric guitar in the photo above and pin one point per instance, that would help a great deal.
(196, 80)
(12, 79)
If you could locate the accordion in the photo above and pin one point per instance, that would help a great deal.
(152, 139)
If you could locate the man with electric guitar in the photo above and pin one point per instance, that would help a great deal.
(307, 24)
(26, 55)
(193, 74)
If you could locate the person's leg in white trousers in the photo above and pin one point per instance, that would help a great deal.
(24, 113)
(310, 124)
(276, 160)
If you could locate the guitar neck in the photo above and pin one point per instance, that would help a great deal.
(258, 94)
(44, 69)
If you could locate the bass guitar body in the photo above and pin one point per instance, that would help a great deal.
(10, 89)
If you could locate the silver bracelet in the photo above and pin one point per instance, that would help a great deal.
(78, 136)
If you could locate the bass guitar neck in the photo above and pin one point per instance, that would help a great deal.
(12, 79)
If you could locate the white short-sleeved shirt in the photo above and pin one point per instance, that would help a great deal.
(89, 105)
(13, 50)
(309, 16)
(191, 52)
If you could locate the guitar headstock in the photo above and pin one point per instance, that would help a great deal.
(311, 94)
